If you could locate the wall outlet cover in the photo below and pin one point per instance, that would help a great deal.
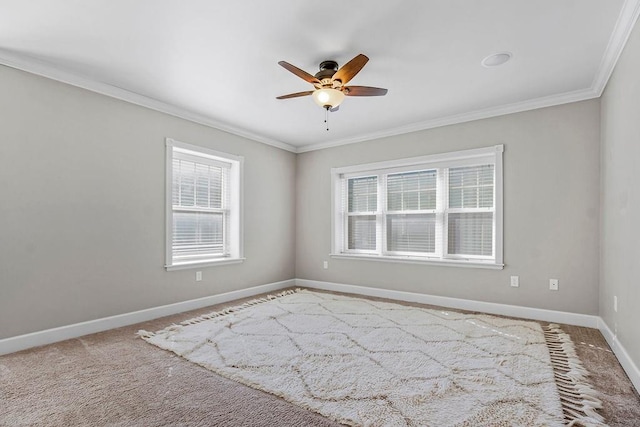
(515, 281)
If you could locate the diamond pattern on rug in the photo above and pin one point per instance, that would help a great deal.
(374, 363)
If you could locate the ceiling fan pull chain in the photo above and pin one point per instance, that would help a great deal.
(326, 116)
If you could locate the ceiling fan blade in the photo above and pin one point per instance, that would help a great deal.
(350, 69)
(295, 95)
(298, 72)
(364, 91)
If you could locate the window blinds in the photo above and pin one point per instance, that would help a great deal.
(362, 201)
(411, 217)
(363, 194)
(470, 211)
(470, 234)
(200, 194)
(471, 187)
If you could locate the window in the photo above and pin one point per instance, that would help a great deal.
(203, 206)
(445, 209)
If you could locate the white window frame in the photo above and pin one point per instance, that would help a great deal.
(234, 214)
(441, 162)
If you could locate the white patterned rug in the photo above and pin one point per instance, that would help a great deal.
(370, 363)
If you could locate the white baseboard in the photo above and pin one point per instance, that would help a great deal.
(586, 320)
(48, 336)
(35, 339)
(627, 363)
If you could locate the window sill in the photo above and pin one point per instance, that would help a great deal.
(201, 264)
(415, 260)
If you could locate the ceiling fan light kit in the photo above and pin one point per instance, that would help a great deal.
(328, 98)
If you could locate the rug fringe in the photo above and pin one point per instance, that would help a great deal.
(224, 312)
(579, 400)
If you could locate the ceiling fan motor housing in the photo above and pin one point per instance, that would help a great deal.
(327, 70)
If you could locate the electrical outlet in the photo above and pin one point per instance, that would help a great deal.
(515, 281)
(615, 303)
(325, 264)
(198, 276)
(553, 284)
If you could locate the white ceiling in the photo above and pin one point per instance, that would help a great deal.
(215, 62)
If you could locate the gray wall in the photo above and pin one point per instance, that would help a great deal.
(620, 187)
(551, 210)
(82, 207)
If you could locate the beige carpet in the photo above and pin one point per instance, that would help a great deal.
(116, 379)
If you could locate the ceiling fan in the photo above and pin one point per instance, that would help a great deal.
(329, 82)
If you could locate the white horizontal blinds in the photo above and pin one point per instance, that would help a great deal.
(200, 208)
(471, 187)
(470, 215)
(411, 212)
(471, 234)
(197, 235)
(362, 206)
(412, 191)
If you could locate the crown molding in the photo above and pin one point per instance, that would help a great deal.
(40, 68)
(621, 32)
(485, 113)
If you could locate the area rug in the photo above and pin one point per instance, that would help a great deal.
(369, 363)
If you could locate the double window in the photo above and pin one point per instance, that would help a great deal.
(444, 208)
(203, 206)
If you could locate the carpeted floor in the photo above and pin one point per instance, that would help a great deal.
(114, 378)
